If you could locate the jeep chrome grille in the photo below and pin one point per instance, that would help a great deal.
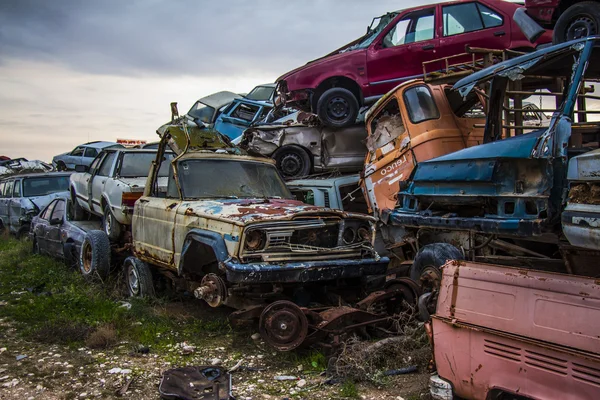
(317, 238)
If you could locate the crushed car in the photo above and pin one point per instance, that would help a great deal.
(301, 145)
(241, 114)
(502, 201)
(23, 196)
(22, 166)
(204, 112)
(55, 233)
(392, 51)
(109, 187)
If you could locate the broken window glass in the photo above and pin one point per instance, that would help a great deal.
(385, 127)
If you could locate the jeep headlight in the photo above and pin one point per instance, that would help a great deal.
(255, 240)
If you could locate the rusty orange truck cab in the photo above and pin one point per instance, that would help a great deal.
(415, 122)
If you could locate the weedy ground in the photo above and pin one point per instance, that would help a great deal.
(62, 337)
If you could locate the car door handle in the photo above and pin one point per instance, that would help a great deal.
(499, 33)
(428, 47)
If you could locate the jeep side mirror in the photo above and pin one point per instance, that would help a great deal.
(55, 221)
(81, 168)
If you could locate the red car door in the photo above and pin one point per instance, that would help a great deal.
(397, 55)
(474, 24)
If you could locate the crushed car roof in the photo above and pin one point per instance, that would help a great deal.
(219, 99)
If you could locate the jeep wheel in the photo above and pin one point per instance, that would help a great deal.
(61, 166)
(138, 277)
(426, 267)
(292, 161)
(70, 255)
(578, 21)
(337, 107)
(111, 226)
(78, 212)
(94, 257)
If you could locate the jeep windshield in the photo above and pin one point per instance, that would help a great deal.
(45, 185)
(206, 179)
(202, 112)
(377, 26)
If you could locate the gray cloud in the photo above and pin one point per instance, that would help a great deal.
(181, 37)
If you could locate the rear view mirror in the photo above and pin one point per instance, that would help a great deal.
(55, 221)
(81, 168)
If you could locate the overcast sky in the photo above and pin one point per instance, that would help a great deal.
(72, 71)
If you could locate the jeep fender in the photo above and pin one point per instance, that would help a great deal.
(211, 239)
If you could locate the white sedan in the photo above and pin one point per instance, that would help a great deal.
(110, 186)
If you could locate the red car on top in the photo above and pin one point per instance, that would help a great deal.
(335, 86)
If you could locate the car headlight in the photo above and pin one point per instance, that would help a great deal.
(255, 240)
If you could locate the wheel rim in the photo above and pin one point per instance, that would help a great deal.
(338, 108)
(283, 325)
(108, 224)
(87, 258)
(291, 164)
(582, 26)
(430, 279)
(133, 281)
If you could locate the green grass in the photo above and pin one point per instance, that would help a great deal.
(51, 302)
(349, 390)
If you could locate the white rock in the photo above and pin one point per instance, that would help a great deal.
(256, 336)
(216, 361)
(3, 378)
(83, 394)
(301, 383)
(115, 370)
(125, 371)
(11, 384)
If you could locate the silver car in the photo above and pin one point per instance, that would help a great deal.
(83, 154)
(23, 196)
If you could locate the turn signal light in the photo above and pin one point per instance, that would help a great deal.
(128, 198)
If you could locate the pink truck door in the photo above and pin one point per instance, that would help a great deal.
(399, 54)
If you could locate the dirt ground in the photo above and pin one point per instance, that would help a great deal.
(64, 372)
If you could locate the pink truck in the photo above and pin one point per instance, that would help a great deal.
(509, 333)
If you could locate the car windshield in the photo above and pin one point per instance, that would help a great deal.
(45, 185)
(202, 112)
(377, 26)
(261, 93)
(230, 179)
(138, 165)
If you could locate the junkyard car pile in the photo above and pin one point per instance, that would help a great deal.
(483, 208)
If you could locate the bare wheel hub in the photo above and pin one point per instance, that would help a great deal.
(212, 290)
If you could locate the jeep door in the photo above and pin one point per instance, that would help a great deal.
(98, 181)
(154, 223)
(397, 55)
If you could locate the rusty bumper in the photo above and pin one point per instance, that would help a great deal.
(304, 271)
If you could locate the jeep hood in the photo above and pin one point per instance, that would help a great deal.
(246, 211)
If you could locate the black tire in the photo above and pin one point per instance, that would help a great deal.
(94, 257)
(70, 255)
(23, 232)
(293, 161)
(579, 20)
(35, 246)
(78, 212)
(138, 277)
(111, 226)
(425, 268)
(337, 107)
(61, 166)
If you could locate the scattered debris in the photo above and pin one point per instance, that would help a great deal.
(21, 357)
(206, 382)
(285, 378)
(401, 371)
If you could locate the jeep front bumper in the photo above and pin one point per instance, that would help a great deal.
(311, 271)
